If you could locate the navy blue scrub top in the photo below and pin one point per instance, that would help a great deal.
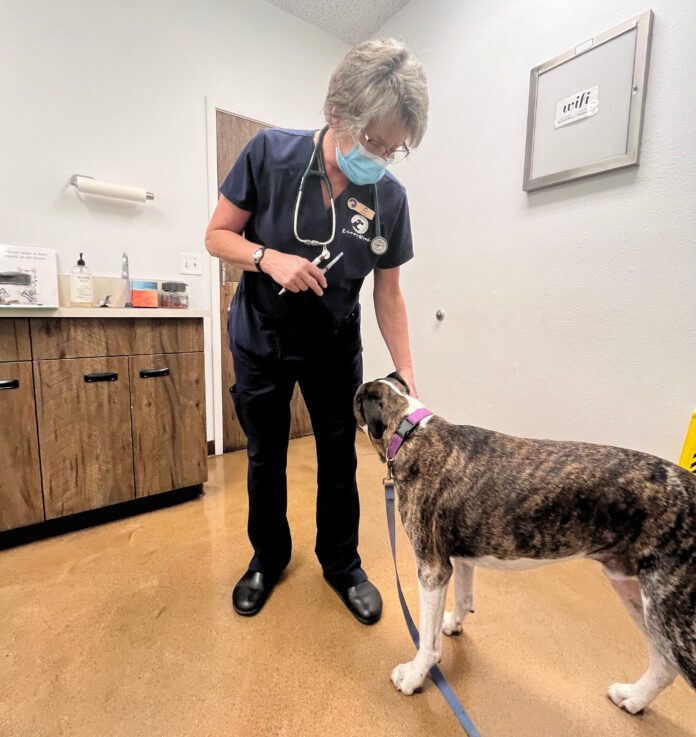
(265, 181)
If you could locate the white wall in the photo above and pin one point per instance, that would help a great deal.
(116, 90)
(571, 312)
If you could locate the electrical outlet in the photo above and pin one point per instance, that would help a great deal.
(191, 263)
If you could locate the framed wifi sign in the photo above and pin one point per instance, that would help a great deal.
(585, 113)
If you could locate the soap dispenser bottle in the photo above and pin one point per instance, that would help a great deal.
(81, 290)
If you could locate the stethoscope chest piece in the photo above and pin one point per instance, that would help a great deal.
(379, 245)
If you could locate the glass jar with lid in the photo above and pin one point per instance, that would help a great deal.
(173, 295)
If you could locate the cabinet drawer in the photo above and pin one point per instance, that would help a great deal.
(20, 481)
(169, 435)
(85, 434)
(74, 337)
(14, 339)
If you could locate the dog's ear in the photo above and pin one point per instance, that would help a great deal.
(398, 377)
(372, 412)
(358, 408)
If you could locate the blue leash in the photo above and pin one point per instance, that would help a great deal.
(435, 673)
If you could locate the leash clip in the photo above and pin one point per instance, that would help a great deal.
(388, 482)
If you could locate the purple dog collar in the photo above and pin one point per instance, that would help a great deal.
(406, 427)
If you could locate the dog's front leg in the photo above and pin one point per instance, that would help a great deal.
(463, 597)
(408, 677)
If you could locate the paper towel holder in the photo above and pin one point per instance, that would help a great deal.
(107, 189)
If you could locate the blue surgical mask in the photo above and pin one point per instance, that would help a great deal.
(360, 166)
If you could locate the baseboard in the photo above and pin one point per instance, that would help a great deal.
(93, 517)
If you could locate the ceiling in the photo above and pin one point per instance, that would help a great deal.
(349, 20)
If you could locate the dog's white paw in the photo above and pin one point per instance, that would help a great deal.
(407, 678)
(452, 624)
(627, 696)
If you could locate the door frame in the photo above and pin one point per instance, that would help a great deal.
(212, 105)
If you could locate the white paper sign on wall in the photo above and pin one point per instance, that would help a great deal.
(583, 104)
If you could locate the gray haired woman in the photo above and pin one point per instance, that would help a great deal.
(307, 215)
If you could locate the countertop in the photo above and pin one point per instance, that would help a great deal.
(102, 312)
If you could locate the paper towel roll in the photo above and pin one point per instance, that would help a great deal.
(105, 189)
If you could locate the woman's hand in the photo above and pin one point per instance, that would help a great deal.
(295, 273)
(406, 373)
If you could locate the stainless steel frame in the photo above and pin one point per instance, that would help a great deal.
(643, 23)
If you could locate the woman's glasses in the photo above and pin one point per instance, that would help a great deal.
(390, 156)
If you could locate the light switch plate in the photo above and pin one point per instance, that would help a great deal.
(191, 263)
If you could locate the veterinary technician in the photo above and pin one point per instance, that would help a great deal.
(307, 215)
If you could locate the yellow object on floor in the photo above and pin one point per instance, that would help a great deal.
(688, 456)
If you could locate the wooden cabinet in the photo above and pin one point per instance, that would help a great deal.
(20, 481)
(169, 436)
(98, 411)
(14, 340)
(85, 430)
(93, 337)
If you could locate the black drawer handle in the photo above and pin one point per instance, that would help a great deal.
(9, 384)
(154, 373)
(106, 376)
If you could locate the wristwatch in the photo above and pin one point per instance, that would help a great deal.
(257, 255)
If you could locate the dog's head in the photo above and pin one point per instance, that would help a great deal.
(379, 407)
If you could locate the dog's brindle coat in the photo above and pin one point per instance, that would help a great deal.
(469, 497)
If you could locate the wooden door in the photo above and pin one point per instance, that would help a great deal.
(233, 435)
(233, 133)
(85, 433)
(169, 434)
(21, 502)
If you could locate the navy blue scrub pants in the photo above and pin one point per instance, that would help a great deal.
(327, 364)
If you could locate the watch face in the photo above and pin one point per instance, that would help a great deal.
(257, 255)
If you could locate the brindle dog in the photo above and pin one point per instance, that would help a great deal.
(472, 497)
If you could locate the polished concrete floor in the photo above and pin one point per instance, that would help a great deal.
(127, 629)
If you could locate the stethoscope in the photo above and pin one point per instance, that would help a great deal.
(378, 245)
